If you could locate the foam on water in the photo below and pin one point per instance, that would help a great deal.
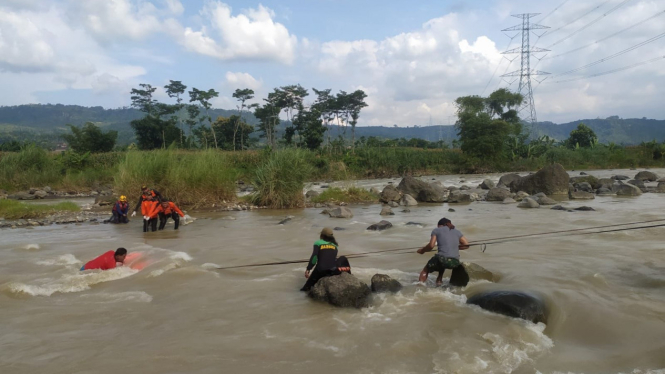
(110, 298)
(31, 247)
(76, 282)
(67, 259)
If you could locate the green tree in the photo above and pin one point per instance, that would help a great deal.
(324, 104)
(355, 104)
(312, 127)
(90, 138)
(290, 98)
(152, 131)
(582, 136)
(485, 125)
(242, 96)
(174, 89)
(203, 98)
(268, 115)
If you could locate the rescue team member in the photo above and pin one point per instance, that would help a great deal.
(324, 257)
(120, 211)
(145, 191)
(108, 260)
(166, 210)
(149, 212)
(449, 241)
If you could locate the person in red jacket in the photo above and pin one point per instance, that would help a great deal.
(149, 210)
(166, 210)
(108, 260)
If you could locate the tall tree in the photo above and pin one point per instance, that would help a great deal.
(268, 115)
(312, 127)
(242, 96)
(152, 131)
(484, 125)
(290, 98)
(356, 103)
(323, 104)
(90, 138)
(203, 98)
(174, 89)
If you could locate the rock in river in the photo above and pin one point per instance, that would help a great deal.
(408, 200)
(389, 194)
(512, 304)
(386, 211)
(627, 190)
(384, 283)
(528, 202)
(498, 194)
(342, 290)
(646, 176)
(551, 180)
(383, 225)
(341, 212)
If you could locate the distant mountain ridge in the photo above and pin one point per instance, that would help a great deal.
(53, 118)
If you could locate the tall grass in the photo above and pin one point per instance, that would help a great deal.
(11, 209)
(188, 178)
(349, 195)
(280, 179)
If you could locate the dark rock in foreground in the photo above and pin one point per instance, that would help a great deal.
(342, 290)
(461, 275)
(512, 304)
(383, 225)
(384, 283)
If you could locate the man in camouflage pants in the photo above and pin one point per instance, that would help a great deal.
(449, 241)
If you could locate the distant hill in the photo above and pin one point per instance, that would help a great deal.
(48, 121)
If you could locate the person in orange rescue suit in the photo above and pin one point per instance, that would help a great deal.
(149, 210)
(167, 209)
(146, 192)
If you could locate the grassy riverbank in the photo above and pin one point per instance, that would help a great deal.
(10, 209)
(202, 178)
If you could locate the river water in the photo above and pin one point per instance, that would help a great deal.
(606, 295)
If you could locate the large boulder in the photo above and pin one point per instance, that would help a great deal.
(390, 193)
(412, 186)
(625, 189)
(40, 194)
(386, 211)
(342, 290)
(605, 183)
(528, 202)
(638, 183)
(551, 180)
(512, 304)
(590, 179)
(311, 194)
(661, 187)
(422, 191)
(459, 197)
(469, 271)
(384, 283)
(544, 200)
(581, 195)
(487, 184)
(383, 225)
(498, 194)
(647, 176)
(508, 179)
(340, 212)
(408, 200)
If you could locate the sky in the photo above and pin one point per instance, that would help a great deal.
(412, 58)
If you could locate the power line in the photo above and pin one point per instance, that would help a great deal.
(609, 36)
(613, 70)
(589, 24)
(554, 10)
(576, 19)
(651, 40)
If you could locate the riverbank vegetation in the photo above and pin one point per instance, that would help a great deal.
(196, 160)
(11, 209)
(348, 195)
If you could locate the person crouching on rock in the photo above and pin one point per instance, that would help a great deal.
(109, 260)
(449, 241)
(120, 211)
(167, 209)
(149, 210)
(324, 257)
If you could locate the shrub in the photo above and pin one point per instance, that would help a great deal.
(280, 179)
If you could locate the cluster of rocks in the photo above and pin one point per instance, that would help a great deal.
(48, 193)
(243, 188)
(61, 218)
(347, 291)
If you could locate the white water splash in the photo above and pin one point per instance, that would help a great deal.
(67, 259)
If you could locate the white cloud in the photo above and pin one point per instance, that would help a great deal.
(251, 35)
(243, 80)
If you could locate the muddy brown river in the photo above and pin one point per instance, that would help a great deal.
(605, 292)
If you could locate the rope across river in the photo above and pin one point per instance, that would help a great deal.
(484, 243)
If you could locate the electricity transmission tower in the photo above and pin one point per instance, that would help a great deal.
(525, 73)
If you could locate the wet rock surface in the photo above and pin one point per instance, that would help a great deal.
(384, 283)
(344, 290)
(514, 304)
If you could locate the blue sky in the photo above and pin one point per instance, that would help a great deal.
(413, 58)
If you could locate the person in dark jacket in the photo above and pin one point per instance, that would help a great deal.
(120, 211)
(147, 194)
(324, 260)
